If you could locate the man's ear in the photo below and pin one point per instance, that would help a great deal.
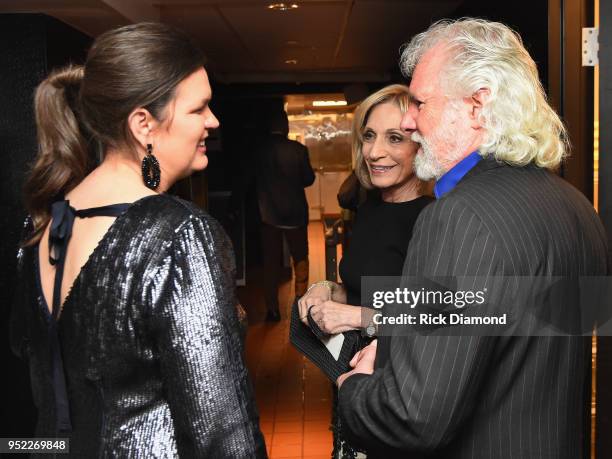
(476, 102)
(141, 124)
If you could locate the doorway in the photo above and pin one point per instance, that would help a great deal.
(322, 122)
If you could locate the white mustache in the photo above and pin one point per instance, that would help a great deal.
(416, 137)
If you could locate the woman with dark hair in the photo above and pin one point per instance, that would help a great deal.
(126, 303)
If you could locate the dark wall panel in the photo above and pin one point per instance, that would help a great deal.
(528, 17)
(22, 64)
(604, 345)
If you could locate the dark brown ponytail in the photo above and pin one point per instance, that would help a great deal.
(63, 159)
(77, 108)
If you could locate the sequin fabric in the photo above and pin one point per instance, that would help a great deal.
(150, 340)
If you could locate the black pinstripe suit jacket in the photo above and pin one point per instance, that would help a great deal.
(485, 397)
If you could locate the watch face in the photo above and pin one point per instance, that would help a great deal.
(370, 330)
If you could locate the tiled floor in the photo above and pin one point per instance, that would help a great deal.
(293, 396)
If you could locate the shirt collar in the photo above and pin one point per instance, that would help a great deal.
(449, 180)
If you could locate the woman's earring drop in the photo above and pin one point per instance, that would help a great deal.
(151, 174)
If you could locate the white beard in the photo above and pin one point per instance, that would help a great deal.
(426, 166)
(449, 137)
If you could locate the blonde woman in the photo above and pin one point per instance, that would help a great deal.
(383, 225)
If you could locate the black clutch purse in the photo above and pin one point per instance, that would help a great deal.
(311, 342)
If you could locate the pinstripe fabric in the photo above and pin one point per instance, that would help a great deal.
(485, 397)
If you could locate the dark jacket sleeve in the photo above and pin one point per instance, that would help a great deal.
(308, 176)
(197, 334)
(418, 400)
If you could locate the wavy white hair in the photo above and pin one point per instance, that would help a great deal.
(520, 125)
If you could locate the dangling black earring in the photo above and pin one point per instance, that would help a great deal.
(151, 173)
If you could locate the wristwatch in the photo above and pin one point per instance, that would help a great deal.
(371, 328)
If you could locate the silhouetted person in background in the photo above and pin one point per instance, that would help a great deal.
(283, 170)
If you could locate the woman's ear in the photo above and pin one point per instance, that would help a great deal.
(141, 124)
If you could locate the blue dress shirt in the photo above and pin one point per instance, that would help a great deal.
(449, 180)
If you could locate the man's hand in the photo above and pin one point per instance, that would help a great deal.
(362, 362)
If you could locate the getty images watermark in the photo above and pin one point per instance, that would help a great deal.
(487, 306)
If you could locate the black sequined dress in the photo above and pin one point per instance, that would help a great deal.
(149, 342)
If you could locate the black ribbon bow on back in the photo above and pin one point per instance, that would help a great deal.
(62, 220)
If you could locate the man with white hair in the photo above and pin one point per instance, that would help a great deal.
(491, 141)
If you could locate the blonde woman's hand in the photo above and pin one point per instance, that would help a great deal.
(333, 317)
(316, 294)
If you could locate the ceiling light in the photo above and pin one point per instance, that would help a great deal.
(283, 6)
(328, 103)
(291, 61)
